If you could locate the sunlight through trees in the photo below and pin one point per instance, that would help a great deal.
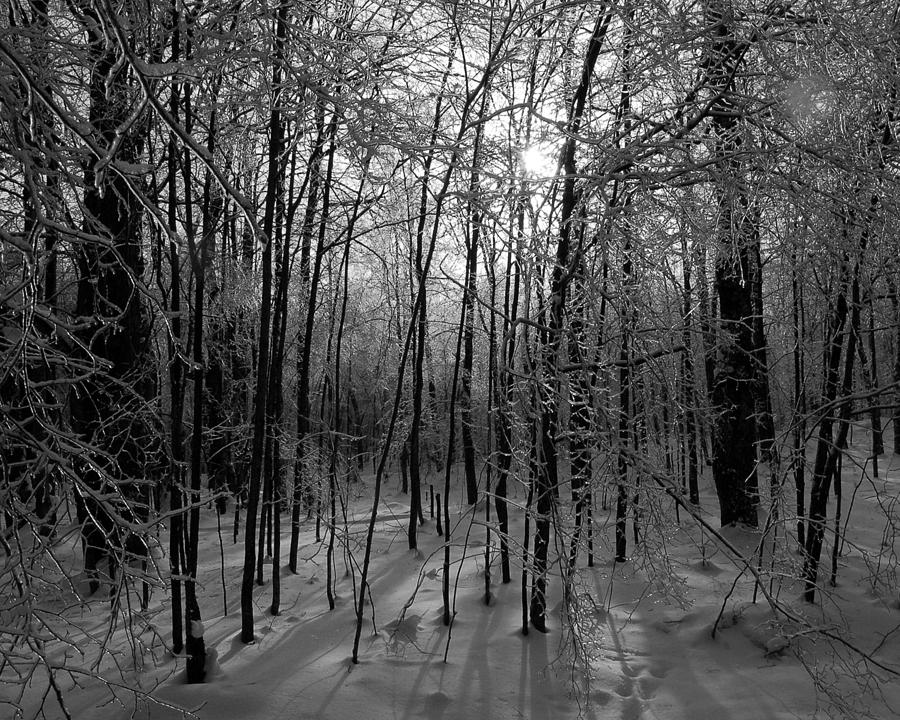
(593, 276)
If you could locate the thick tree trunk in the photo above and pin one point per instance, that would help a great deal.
(736, 380)
(108, 405)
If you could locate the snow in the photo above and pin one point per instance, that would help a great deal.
(640, 644)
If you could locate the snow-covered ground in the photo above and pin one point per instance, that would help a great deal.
(640, 643)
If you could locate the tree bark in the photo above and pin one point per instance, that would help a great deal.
(305, 341)
(799, 434)
(108, 404)
(176, 365)
(546, 477)
(276, 138)
(688, 383)
(420, 317)
(895, 308)
(736, 380)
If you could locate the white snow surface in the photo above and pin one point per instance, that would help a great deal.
(642, 639)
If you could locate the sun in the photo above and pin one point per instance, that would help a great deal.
(536, 160)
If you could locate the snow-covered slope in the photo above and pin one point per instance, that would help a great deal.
(639, 644)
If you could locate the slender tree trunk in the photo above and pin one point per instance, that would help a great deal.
(688, 383)
(625, 410)
(276, 137)
(706, 306)
(765, 417)
(570, 232)
(304, 341)
(869, 370)
(799, 433)
(829, 446)
(628, 316)
(275, 466)
(337, 414)
(194, 645)
(472, 240)
(420, 318)
(176, 366)
(895, 307)
(580, 414)
(451, 441)
(503, 415)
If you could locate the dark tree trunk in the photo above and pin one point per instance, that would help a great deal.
(503, 385)
(194, 644)
(580, 414)
(176, 367)
(420, 320)
(765, 418)
(625, 411)
(108, 405)
(895, 307)
(276, 140)
(869, 370)
(799, 434)
(829, 446)
(276, 395)
(472, 241)
(688, 384)
(546, 477)
(735, 380)
(305, 340)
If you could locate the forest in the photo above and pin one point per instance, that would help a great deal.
(359, 331)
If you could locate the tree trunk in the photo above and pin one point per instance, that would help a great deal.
(504, 387)
(688, 383)
(895, 307)
(829, 446)
(305, 341)
(765, 419)
(472, 241)
(735, 382)
(799, 423)
(546, 478)
(276, 138)
(275, 466)
(580, 414)
(869, 370)
(176, 367)
(420, 317)
(108, 405)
